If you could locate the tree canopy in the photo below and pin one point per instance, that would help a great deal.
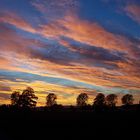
(111, 100)
(82, 99)
(26, 99)
(15, 98)
(127, 99)
(99, 100)
(51, 99)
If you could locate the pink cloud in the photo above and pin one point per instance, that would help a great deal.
(79, 30)
(85, 32)
(133, 11)
(17, 21)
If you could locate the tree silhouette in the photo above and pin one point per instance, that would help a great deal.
(99, 101)
(26, 99)
(111, 100)
(82, 99)
(51, 99)
(15, 98)
(127, 99)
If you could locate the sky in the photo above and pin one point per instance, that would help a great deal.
(68, 47)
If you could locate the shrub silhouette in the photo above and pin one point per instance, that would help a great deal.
(111, 100)
(51, 99)
(82, 99)
(26, 99)
(127, 99)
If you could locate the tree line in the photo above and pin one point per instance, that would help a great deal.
(28, 99)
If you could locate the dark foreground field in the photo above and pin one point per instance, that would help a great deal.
(69, 124)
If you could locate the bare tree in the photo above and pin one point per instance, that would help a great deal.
(127, 99)
(82, 99)
(111, 100)
(51, 99)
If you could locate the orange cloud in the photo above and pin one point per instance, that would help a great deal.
(29, 60)
(74, 28)
(13, 19)
(124, 77)
(84, 32)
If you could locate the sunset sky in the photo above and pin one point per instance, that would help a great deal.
(68, 47)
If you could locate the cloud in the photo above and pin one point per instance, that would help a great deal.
(4, 98)
(133, 11)
(74, 59)
(12, 42)
(89, 33)
(34, 49)
(93, 53)
(4, 88)
(85, 32)
(71, 26)
(66, 52)
(17, 21)
(54, 9)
